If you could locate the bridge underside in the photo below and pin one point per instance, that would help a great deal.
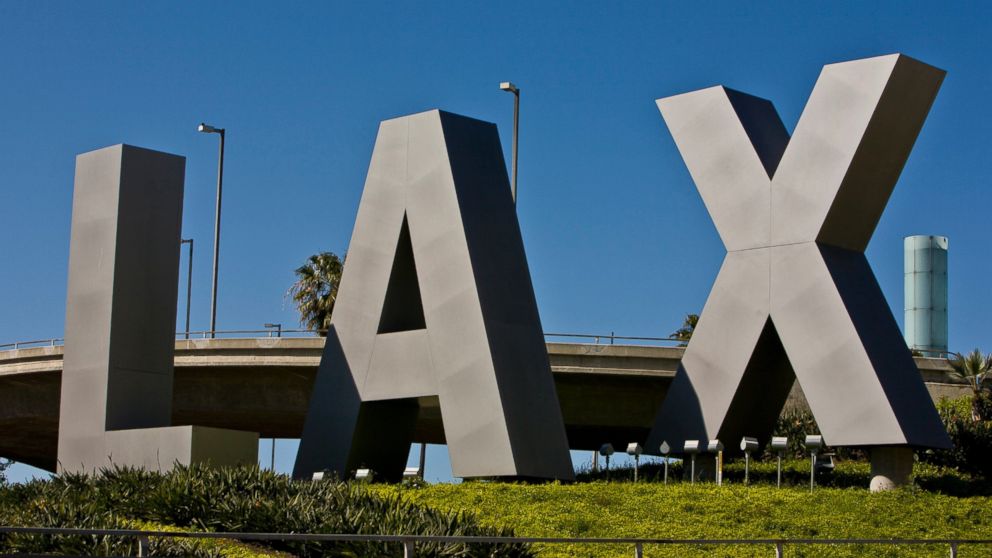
(608, 393)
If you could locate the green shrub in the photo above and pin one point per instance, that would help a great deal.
(972, 451)
(238, 500)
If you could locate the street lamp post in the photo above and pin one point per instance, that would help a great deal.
(189, 279)
(508, 86)
(208, 129)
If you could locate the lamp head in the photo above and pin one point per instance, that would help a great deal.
(634, 449)
(207, 128)
(714, 446)
(780, 443)
(749, 444)
(508, 86)
(606, 449)
(665, 448)
(813, 442)
(691, 446)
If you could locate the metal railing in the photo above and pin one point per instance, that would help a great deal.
(610, 338)
(409, 542)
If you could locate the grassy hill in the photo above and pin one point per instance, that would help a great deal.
(683, 511)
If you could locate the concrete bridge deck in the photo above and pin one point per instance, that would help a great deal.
(608, 393)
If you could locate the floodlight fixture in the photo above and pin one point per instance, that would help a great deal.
(692, 448)
(321, 475)
(748, 445)
(606, 450)
(813, 443)
(665, 450)
(780, 444)
(363, 474)
(208, 129)
(411, 473)
(716, 448)
(635, 450)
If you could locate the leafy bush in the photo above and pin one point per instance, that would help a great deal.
(972, 451)
(239, 500)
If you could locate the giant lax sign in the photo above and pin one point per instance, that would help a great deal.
(436, 301)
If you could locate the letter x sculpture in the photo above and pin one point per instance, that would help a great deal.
(795, 298)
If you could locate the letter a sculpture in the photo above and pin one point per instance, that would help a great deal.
(795, 297)
(436, 301)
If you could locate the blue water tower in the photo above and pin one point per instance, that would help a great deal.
(926, 294)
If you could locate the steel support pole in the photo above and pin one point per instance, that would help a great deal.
(189, 281)
(516, 130)
(423, 459)
(812, 470)
(272, 464)
(220, 187)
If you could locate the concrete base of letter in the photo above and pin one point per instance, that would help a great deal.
(890, 467)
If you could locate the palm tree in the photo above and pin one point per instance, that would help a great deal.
(684, 333)
(973, 368)
(316, 289)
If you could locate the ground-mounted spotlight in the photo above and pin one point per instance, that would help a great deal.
(606, 450)
(321, 475)
(813, 443)
(692, 448)
(780, 444)
(635, 450)
(665, 450)
(716, 448)
(363, 475)
(748, 445)
(411, 473)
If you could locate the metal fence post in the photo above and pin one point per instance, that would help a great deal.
(638, 550)
(779, 551)
(144, 546)
(954, 550)
(408, 551)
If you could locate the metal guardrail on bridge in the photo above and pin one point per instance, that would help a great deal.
(409, 542)
(610, 338)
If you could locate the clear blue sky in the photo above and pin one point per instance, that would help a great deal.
(616, 235)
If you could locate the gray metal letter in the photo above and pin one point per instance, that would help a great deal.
(116, 404)
(796, 298)
(436, 300)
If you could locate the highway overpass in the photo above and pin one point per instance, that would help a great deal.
(608, 393)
